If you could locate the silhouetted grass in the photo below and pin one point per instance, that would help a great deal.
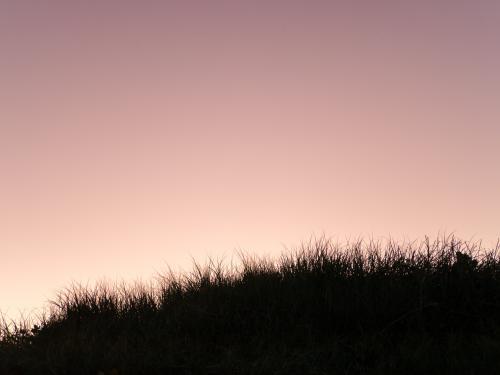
(360, 308)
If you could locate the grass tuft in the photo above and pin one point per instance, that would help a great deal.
(362, 307)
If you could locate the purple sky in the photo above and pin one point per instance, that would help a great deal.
(138, 134)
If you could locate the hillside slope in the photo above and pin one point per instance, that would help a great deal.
(361, 308)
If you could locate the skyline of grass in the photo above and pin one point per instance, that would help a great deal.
(358, 307)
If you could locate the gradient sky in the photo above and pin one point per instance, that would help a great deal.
(136, 134)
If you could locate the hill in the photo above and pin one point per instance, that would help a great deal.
(359, 308)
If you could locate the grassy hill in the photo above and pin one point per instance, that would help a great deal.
(360, 308)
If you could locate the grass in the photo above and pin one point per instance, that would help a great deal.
(358, 308)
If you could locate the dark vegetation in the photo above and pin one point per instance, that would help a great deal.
(361, 308)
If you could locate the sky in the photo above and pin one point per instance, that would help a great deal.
(137, 135)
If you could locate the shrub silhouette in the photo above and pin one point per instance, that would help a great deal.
(464, 264)
(323, 308)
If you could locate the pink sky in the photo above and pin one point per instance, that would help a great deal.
(138, 134)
